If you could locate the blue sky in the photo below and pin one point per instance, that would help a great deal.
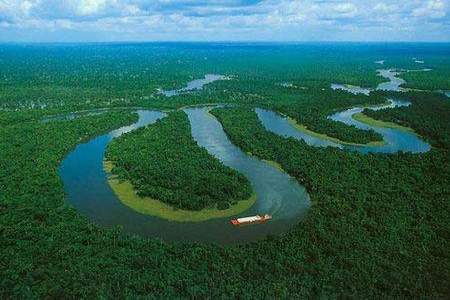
(224, 20)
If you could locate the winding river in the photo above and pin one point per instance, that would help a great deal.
(87, 187)
(277, 193)
(395, 139)
(393, 84)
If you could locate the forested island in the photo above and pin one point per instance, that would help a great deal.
(163, 162)
(377, 226)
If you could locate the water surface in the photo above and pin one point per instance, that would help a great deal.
(395, 139)
(281, 126)
(277, 193)
(351, 88)
(393, 84)
(196, 84)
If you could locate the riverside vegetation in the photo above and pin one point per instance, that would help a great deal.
(429, 116)
(163, 162)
(378, 226)
(395, 229)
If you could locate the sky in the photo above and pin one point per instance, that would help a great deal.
(223, 20)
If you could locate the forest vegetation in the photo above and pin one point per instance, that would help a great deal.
(373, 122)
(398, 232)
(163, 162)
(428, 115)
(378, 226)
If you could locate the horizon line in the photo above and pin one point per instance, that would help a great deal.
(224, 41)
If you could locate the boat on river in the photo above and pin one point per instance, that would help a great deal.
(258, 219)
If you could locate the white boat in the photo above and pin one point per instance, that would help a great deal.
(251, 220)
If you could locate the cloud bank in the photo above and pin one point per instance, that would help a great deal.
(269, 20)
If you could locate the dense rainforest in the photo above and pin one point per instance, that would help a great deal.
(163, 162)
(396, 231)
(433, 80)
(313, 108)
(378, 226)
(75, 77)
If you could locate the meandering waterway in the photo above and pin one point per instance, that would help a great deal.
(87, 187)
(86, 184)
(395, 139)
(393, 84)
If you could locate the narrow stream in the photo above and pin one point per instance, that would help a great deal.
(86, 185)
(394, 82)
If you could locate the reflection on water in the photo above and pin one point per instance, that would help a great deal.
(86, 185)
(196, 84)
(277, 193)
(88, 190)
(146, 117)
(395, 139)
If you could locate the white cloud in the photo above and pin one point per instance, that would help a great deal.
(385, 8)
(349, 9)
(228, 18)
(431, 9)
(88, 7)
(14, 9)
